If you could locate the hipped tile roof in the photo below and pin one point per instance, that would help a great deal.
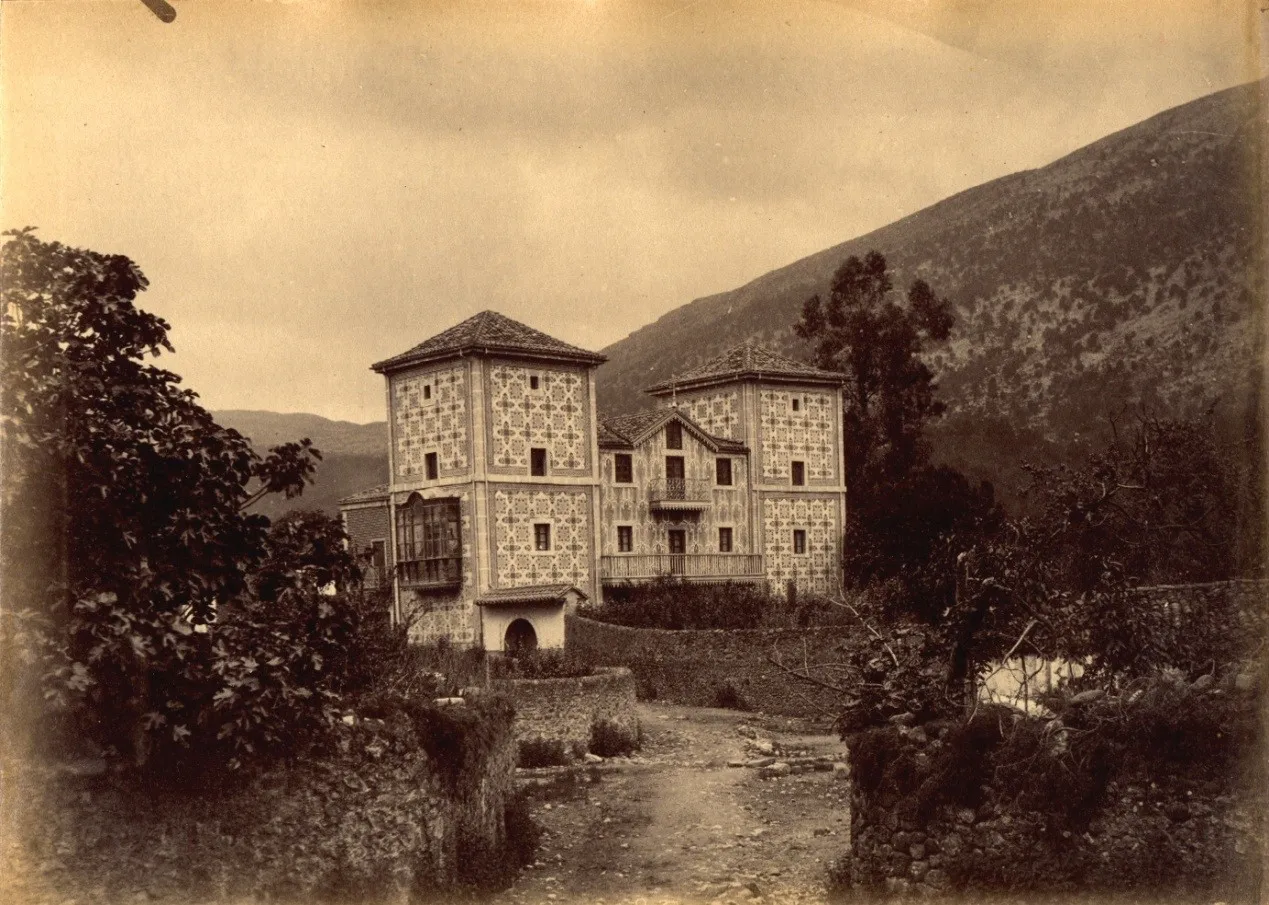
(543, 593)
(367, 496)
(748, 360)
(489, 331)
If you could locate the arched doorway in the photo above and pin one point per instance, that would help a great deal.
(520, 638)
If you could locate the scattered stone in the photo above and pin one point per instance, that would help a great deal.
(903, 719)
(917, 870)
(917, 851)
(592, 758)
(966, 816)
(738, 762)
(779, 768)
(760, 762)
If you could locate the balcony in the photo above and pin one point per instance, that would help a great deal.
(680, 495)
(696, 567)
(443, 572)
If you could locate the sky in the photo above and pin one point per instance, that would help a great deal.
(311, 187)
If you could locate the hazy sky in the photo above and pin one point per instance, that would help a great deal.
(311, 187)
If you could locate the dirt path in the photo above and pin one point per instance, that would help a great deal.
(677, 824)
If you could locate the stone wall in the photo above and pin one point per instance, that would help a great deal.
(564, 710)
(697, 667)
(378, 820)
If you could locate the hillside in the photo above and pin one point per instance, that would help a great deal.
(1124, 274)
(354, 456)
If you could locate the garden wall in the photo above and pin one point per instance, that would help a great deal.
(378, 819)
(564, 710)
(696, 667)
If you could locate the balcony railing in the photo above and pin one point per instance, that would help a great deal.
(680, 493)
(431, 573)
(688, 566)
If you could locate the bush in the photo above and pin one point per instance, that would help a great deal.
(540, 664)
(673, 604)
(726, 695)
(543, 752)
(609, 739)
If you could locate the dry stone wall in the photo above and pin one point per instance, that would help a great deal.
(565, 710)
(698, 667)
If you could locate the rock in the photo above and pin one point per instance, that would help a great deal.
(917, 851)
(760, 762)
(918, 735)
(746, 730)
(737, 762)
(592, 758)
(897, 886)
(763, 746)
(937, 878)
(917, 870)
(902, 719)
(1202, 683)
(841, 770)
(779, 768)
(821, 831)
(966, 816)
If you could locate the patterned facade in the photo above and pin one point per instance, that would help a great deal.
(429, 415)
(553, 415)
(494, 434)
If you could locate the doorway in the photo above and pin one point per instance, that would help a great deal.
(520, 638)
(678, 551)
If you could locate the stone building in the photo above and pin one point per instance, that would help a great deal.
(510, 500)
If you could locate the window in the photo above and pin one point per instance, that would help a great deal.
(378, 560)
(724, 540)
(796, 403)
(433, 469)
(674, 435)
(427, 391)
(799, 541)
(799, 474)
(722, 469)
(542, 537)
(625, 538)
(624, 471)
(533, 381)
(429, 545)
(537, 461)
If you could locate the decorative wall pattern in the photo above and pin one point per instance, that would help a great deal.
(809, 435)
(450, 614)
(437, 424)
(717, 413)
(814, 572)
(516, 563)
(555, 416)
(627, 504)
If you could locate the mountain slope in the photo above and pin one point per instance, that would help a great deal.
(354, 456)
(1126, 273)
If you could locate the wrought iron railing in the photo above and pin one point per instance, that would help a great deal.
(645, 566)
(691, 490)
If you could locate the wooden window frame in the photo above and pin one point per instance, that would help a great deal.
(799, 540)
(625, 538)
(540, 535)
(674, 435)
(618, 459)
(721, 464)
(725, 533)
(432, 466)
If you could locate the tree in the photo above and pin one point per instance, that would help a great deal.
(900, 509)
(124, 502)
(890, 393)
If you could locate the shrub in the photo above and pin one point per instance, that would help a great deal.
(543, 752)
(726, 695)
(609, 739)
(673, 604)
(541, 664)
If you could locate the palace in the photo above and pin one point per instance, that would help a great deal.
(510, 499)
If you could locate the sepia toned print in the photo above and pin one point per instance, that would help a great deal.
(632, 452)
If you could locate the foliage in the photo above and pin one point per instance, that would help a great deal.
(877, 344)
(543, 752)
(541, 664)
(1122, 789)
(609, 739)
(124, 535)
(670, 603)
(901, 511)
